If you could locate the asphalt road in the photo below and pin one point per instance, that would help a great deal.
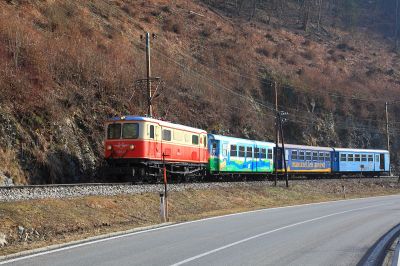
(334, 233)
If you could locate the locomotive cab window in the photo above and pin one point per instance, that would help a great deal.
(151, 131)
(130, 131)
(294, 155)
(114, 131)
(233, 150)
(166, 135)
(195, 140)
(205, 141)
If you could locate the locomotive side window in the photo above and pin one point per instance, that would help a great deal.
(195, 140)
(166, 135)
(357, 157)
(151, 131)
(269, 153)
(370, 158)
(350, 157)
(294, 155)
(241, 151)
(233, 150)
(205, 141)
(130, 131)
(343, 157)
(114, 131)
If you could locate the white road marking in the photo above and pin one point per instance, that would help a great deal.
(267, 233)
(175, 225)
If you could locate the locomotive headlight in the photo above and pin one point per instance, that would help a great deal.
(109, 147)
(131, 147)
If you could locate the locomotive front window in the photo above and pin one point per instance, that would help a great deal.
(114, 131)
(130, 131)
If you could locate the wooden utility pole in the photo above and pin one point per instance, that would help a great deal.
(276, 135)
(148, 66)
(387, 133)
(283, 149)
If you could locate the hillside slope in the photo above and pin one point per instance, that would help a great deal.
(67, 66)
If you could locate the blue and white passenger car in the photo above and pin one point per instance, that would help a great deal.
(301, 159)
(365, 161)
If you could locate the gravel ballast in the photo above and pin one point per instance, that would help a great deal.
(21, 193)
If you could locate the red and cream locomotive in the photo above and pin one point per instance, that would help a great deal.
(140, 146)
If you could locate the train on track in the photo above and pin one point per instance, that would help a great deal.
(138, 148)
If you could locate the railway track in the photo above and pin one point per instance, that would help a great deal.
(35, 192)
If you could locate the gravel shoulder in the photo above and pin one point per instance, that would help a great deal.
(59, 216)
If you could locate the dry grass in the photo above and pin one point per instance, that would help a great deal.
(58, 221)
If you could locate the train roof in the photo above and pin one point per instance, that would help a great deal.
(157, 121)
(360, 150)
(305, 147)
(248, 141)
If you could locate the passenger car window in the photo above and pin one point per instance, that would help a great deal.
(294, 155)
(363, 157)
(370, 158)
(114, 131)
(249, 152)
(343, 157)
(350, 157)
(301, 155)
(308, 156)
(241, 151)
(315, 156)
(269, 153)
(130, 131)
(233, 150)
(357, 157)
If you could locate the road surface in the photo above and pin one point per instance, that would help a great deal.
(332, 233)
